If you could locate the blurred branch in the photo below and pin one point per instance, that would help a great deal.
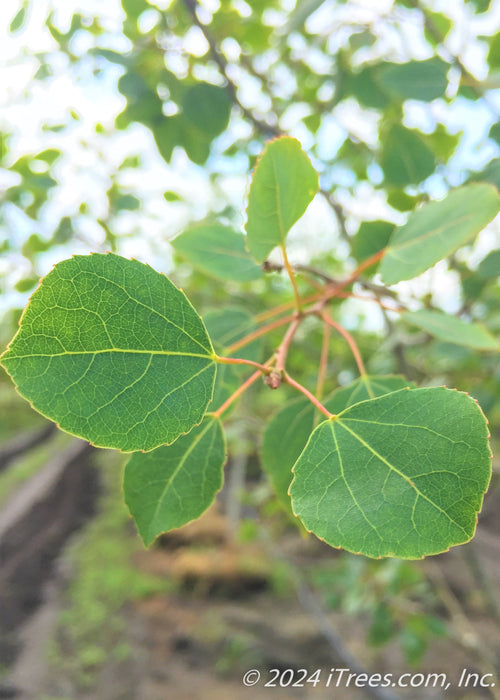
(339, 214)
(483, 582)
(316, 611)
(217, 56)
(468, 79)
(264, 127)
(466, 635)
(378, 289)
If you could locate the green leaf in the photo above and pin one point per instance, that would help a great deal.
(442, 142)
(283, 185)
(402, 475)
(491, 174)
(207, 107)
(134, 8)
(166, 134)
(49, 155)
(494, 51)
(114, 353)
(401, 201)
(284, 439)
(218, 251)
(494, 132)
(405, 158)
(437, 230)
(26, 284)
(171, 196)
(481, 5)
(371, 237)
(452, 330)
(489, 267)
(287, 432)
(367, 387)
(364, 87)
(416, 80)
(441, 25)
(19, 19)
(171, 486)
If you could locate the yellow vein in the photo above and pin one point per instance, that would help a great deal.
(107, 350)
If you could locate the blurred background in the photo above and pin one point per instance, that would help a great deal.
(123, 123)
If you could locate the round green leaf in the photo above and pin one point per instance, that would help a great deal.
(114, 353)
(218, 251)
(452, 330)
(437, 230)
(402, 475)
(171, 486)
(287, 432)
(283, 185)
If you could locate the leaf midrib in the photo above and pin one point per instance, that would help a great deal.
(131, 351)
(433, 232)
(141, 303)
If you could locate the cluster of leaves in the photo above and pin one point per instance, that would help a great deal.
(115, 353)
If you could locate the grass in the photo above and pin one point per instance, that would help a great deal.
(92, 630)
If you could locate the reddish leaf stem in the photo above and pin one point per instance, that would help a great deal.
(239, 391)
(323, 360)
(257, 333)
(282, 351)
(241, 361)
(306, 392)
(293, 280)
(376, 300)
(330, 291)
(357, 356)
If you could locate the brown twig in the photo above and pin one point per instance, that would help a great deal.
(339, 214)
(258, 333)
(307, 393)
(323, 360)
(352, 344)
(239, 391)
(241, 361)
(262, 126)
(282, 351)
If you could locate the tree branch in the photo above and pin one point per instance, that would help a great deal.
(218, 58)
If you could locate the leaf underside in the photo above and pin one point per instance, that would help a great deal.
(114, 353)
(402, 475)
(218, 251)
(174, 484)
(452, 330)
(437, 230)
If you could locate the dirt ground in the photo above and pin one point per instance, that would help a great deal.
(229, 613)
(224, 619)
